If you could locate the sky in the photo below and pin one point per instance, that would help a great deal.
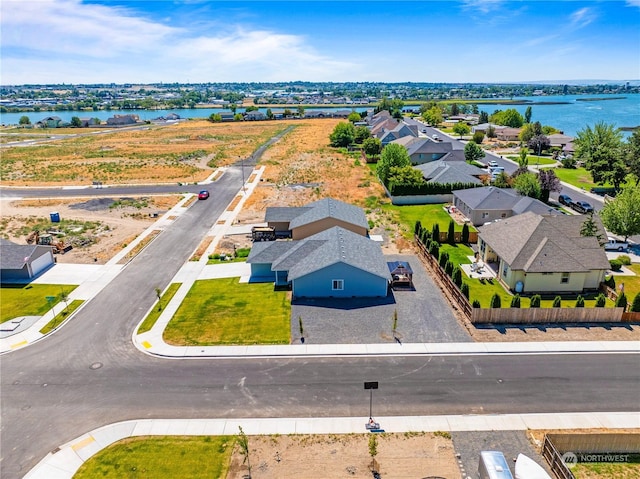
(194, 41)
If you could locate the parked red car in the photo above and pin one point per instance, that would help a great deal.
(203, 195)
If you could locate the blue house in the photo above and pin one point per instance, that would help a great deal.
(333, 263)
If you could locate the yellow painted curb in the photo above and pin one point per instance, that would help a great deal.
(146, 344)
(83, 443)
(20, 344)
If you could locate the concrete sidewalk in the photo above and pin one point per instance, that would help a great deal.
(70, 456)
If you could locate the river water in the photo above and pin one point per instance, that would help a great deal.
(571, 116)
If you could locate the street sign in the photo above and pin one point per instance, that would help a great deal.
(371, 385)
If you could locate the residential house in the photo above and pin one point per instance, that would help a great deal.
(401, 130)
(122, 120)
(483, 127)
(305, 221)
(446, 172)
(23, 262)
(483, 205)
(544, 254)
(87, 122)
(380, 127)
(508, 134)
(255, 116)
(334, 263)
(424, 150)
(50, 122)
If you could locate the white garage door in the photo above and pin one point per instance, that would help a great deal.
(41, 263)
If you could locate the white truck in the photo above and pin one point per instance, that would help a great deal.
(614, 244)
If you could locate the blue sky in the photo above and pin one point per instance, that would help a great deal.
(143, 41)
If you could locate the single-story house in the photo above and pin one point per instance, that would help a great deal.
(400, 131)
(544, 254)
(424, 150)
(451, 172)
(332, 263)
(119, 120)
(86, 122)
(508, 134)
(483, 205)
(304, 221)
(483, 127)
(255, 116)
(23, 262)
(560, 140)
(384, 125)
(50, 122)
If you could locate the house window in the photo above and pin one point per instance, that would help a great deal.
(565, 278)
(485, 214)
(337, 284)
(503, 215)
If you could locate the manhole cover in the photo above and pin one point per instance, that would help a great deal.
(96, 366)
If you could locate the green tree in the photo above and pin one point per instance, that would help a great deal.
(433, 116)
(404, 175)
(557, 302)
(354, 116)
(527, 184)
(496, 302)
(515, 301)
(579, 301)
(343, 134)
(523, 160)
(527, 115)
(526, 133)
(502, 181)
(465, 234)
(215, 118)
(472, 152)
(476, 304)
(635, 306)
(478, 137)
(590, 228)
(509, 117)
(435, 232)
(269, 114)
(76, 122)
(372, 146)
(464, 289)
(392, 155)
(621, 215)
(444, 257)
(243, 443)
(448, 268)
(632, 155)
(455, 109)
(548, 182)
(361, 134)
(535, 301)
(451, 232)
(24, 120)
(539, 143)
(233, 107)
(457, 276)
(601, 300)
(251, 108)
(491, 131)
(238, 117)
(483, 118)
(601, 151)
(461, 129)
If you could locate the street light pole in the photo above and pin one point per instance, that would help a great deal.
(371, 385)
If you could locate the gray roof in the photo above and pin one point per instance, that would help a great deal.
(426, 146)
(338, 245)
(13, 255)
(283, 213)
(330, 208)
(450, 172)
(545, 244)
(492, 198)
(332, 246)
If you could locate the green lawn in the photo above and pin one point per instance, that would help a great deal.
(224, 311)
(155, 313)
(30, 299)
(62, 315)
(536, 160)
(427, 214)
(578, 177)
(184, 457)
(606, 470)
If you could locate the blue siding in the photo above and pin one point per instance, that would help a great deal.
(356, 283)
(262, 272)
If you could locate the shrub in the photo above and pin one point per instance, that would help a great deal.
(635, 306)
(610, 281)
(535, 301)
(417, 230)
(515, 301)
(579, 301)
(601, 300)
(408, 189)
(448, 268)
(624, 259)
(465, 233)
(444, 257)
(242, 252)
(434, 249)
(451, 232)
(621, 302)
(478, 137)
(557, 302)
(569, 163)
(495, 301)
(464, 289)
(435, 232)
(616, 265)
(476, 304)
(457, 276)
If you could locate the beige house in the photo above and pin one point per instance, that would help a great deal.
(534, 253)
(305, 221)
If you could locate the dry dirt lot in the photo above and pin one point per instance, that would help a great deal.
(400, 456)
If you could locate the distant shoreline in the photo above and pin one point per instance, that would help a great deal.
(602, 98)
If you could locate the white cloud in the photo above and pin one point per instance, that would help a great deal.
(582, 18)
(633, 3)
(484, 6)
(49, 41)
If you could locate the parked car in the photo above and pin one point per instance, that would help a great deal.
(435, 137)
(582, 207)
(492, 164)
(565, 200)
(203, 195)
(614, 244)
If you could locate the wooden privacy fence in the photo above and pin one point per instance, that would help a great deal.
(597, 443)
(554, 459)
(459, 298)
(545, 315)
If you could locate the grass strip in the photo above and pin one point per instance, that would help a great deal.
(154, 314)
(184, 457)
(30, 299)
(61, 316)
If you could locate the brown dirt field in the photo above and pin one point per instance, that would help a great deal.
(179, 152)
(124, 223)
(400, 456)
